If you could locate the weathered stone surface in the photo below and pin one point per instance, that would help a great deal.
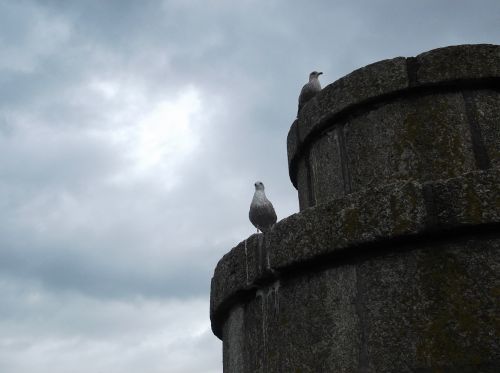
(235, 272)
(391, 211)
(326, 168)
(255, 335)
(292, 140)
(468, 200)
(305, 193)
(280, 312)
(310, 330)
(486, 114)
(459, 284)
(432, 307)
(234, 341)
(461, 62)
(422, 138)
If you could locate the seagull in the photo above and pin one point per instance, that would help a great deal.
(310, 89)
(261, 214)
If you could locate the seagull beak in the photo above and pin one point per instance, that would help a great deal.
(320, 73)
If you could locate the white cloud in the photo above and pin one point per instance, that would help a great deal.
(45, 331)
(167, 134)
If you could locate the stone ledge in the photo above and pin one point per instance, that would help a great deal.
(367, 218)
(455, 66)
(461, 62)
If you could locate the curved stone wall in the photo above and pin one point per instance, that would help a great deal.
(422, 118)
(397, 269)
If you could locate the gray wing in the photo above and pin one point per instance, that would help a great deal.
(306, 94)
(263, 216)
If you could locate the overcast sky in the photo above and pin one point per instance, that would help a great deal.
(131, 133)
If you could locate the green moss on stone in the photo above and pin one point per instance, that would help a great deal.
(474, 208)
(452, 326)
(434, 136)
(351, 223)
(402, 212)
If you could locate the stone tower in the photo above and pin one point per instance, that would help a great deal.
(392, 264)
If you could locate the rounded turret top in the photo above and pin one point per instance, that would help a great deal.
(418, 118)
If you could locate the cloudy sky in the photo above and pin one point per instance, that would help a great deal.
(131, 133)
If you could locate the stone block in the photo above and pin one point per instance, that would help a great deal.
(234, 341)
(363, 217)
(422, 138)
(326, 164)
(303, 184)
(457, 325)
(473, 199)
(255, 335)
(458, 63)
(430, 308)
(486, 114)
(292, 142)
(316, 316)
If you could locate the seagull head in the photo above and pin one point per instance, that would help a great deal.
(259, 185)
(314, 75)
